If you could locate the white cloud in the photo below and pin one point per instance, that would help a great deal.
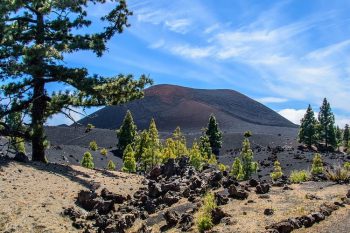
(178, 25)
(266, 100)
(157, 44)
(191, 52)
(295, 115)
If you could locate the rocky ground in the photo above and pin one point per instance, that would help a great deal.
(61, 198)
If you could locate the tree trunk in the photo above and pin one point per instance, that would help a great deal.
(38, 119)
(39, 98)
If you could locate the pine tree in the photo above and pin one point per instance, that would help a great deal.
(180, 143)
(338, 136)
(214, 134)
(14, 121)
(196, 159)
(152, 155)
(237, 169)
(247, 159)
(346, 135)
(307, 131)
(317, 164)
(277, 171)
(88, 161)
(110, 165)
(169, 150)
(127, 132)
(35, 36)
(141, 144)
(204, 146)
(129, 162)
(327, 129)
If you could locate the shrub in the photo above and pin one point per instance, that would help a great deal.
(204, 222)
(347, 166)
(93, 145)
(129, 160)
(277, 172)
(212, 160)
(338, 173)
(299, 176)
(89, 127)
(222, 167)
(110, 165)
(88, 160)
(236, 170)
(103, 151)
(317, 164)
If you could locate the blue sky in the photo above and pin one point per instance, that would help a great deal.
(285, 54)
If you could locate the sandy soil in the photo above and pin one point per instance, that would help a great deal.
(32, 196)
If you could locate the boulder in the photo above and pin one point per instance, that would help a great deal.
(268, 212)
(102, 206)
(221, 199)
(318, 216)
(195, 183)
(169, 168)
(86, 199)
(348, 194)
(170, 198)
(144, 229)
(308, 220)
(217, 214)
(253, 182)
(262, 188)
(72, 213)
(282, 227)
(171, 218)
(172, 186)
(186, 221)
(116, 198)
(154, 189)
(237, 193)
(155, 173)
(215, 178)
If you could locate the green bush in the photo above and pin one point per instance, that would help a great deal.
(204, 222)
(103, 151)
(338, 173)
(110, 165)
(93, 145)
(299, 176)
(347, 166)
(222, 167)
(89, 127)
(88, 160)
(317, 165)
(277, 172)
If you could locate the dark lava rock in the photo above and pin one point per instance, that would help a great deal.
(262, 188)
(144, 229)
(102, 206)
(195, 183)
(308, 220)
(221, 199)
(186, 222)
(21, 157)
(170, 198)
(155, 173)
(282, 227)
(173, 186)
(154, 189)
(215, 178)
(116, 198)
(72, 213)
(169, 168)
(268, 212)
(253, 182)
(318, 216)
(348, 194)
(86, 199)
(171, 218)
(237, 193)
(217, 214)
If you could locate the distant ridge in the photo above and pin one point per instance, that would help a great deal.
(190, 109)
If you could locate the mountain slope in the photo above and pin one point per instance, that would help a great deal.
(190, 109)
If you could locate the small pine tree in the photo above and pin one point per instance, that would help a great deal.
(338, 136)
(129, 163)
(141, 144)
(326, 120)
(248, 165)
(169, 151)
(204, 146)
(88, 160)
(346, 135)
(196, 159)
(222, 167)
(154, 149)
(317, 164)
(103, 151)
(277, 171)
(93, 145)
(307, 131)
(236, 168)
(248, 134)
(214, 134)
(110, 165)
(180, 143)
(127, 132)
(89, 127)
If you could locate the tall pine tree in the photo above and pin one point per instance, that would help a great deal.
(214, 134)
(127, 132)
(152, 155)
(326, 120)
(35, 36)
(307, 131)
(346, 135)
(129, 162)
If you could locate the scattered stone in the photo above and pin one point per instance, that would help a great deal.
(221, 199)
(262, 188)
(116, 198)
(237, 193)
(155, 173)
(282, 227)
(171, 218)
(72, 213)
(217, 214)
(186, 221)
(253, 182)
(268, 212)
(86, 199)
(21, 157)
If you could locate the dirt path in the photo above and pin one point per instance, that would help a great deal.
(32, 196)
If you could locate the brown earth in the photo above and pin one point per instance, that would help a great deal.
(32, 197)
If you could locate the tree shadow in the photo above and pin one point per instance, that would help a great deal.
(77, 176)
